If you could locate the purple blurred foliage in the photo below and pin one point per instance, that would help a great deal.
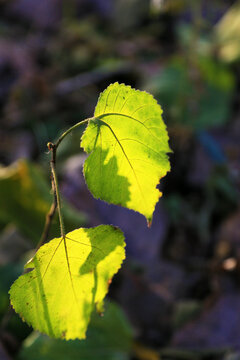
(3, 354)
(47, 14)
(218, 327)
(18, 145)
(166, 280)
(15, 61)
(201, 166)
(104, 7)
(143, 243)
(228, 140)
(219, 146)
(148, 311)
(208, 11)
(212, 147)
(44, 14)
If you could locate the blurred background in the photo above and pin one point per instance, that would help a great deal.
(177, 295)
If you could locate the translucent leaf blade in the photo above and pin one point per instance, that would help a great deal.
(128, 145)
(67, 279)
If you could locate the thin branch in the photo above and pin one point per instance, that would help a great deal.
(47, 225)
(70, 130)
(51, 212)
(57, 200)
(53, 148)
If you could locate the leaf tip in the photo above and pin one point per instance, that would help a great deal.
(149, 223)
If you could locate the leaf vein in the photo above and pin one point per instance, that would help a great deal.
(140, 107)
(140, 142)
(127, 101)
(140, 189)
(110, 90)
(132, 118)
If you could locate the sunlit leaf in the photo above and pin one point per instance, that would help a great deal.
(108, 338)
(127, 142)
(66, 279)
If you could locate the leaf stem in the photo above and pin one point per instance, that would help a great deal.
(57, 198)
(48, 222)
(53, 148)
(70, 130)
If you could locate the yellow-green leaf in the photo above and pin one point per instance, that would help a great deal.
(128, 145)
(66, 279)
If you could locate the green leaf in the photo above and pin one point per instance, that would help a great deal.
(194, 105)
(108, 338)
(66, 279)
(127, 142)
(25, 199)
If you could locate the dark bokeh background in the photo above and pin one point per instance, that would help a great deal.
(179, 287)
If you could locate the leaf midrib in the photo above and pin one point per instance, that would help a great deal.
(124, 153)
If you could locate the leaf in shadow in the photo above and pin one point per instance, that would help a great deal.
(108, 338)
(102, 175)
(25, 200)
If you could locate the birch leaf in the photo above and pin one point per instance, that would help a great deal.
(128, 144)
(66, 279)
